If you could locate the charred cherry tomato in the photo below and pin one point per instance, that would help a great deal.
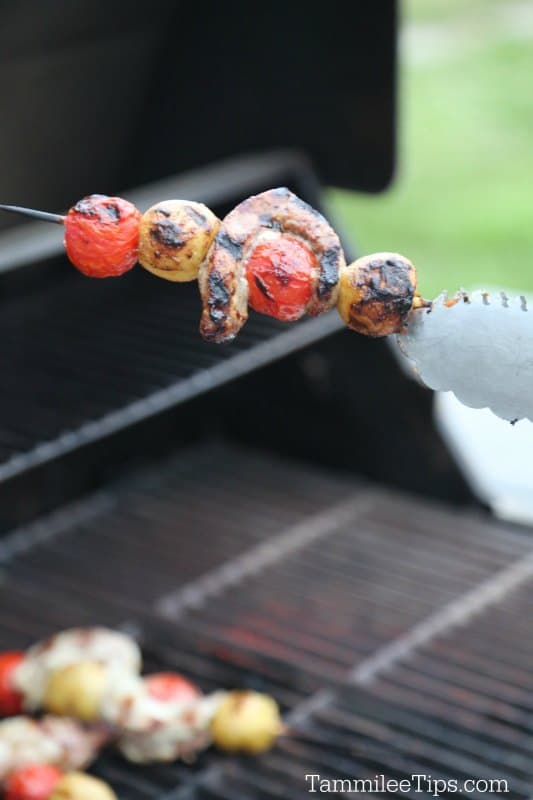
(102, 235)
(10, 699)
(34, 782)
(280, 275)
(171, 686)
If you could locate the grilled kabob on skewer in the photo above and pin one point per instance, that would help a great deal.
(272, 252)
(41, 759)
(45, 782)
(58, 741)
(92, 675)
(277, 255)
(153, 728)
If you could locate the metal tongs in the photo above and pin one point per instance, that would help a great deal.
(478, 345)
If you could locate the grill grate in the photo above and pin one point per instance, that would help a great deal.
(393, 633)
(114, 355)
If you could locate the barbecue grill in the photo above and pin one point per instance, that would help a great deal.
(278, 513)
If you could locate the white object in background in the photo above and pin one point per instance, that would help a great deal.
(495, 457)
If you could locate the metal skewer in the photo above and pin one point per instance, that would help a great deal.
(45, 216)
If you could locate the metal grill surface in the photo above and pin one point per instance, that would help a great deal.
(393, 633)
(115, 353)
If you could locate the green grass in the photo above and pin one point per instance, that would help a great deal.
(461, 206)
(462, 11)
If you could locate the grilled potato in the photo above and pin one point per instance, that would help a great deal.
(376, 293)
(76, 691)
(246, 721)
(174, 238)
(78, 786)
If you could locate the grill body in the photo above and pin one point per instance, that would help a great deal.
(279, 513)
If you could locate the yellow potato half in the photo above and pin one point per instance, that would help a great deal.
(174, 238)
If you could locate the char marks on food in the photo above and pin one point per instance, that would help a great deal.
(167, 233)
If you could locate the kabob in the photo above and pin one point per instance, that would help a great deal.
(87, 681)
(42, 760)
(273, 252)
(277, 255)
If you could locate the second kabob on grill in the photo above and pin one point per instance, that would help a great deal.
(93, 675)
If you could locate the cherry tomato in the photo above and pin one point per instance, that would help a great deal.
(102, 235)
(171, 686)
(34, 782)
(10, 699)
(280, 275)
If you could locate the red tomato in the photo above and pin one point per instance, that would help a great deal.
(34, 782)
(10, 699)
(171, 686)
(102, 235)
(280, 275)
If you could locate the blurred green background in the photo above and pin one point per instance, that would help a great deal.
(461, 205)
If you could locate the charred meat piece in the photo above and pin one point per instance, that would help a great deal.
(62, 742)
(170, 731)
(276, 251)
(152, 727)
